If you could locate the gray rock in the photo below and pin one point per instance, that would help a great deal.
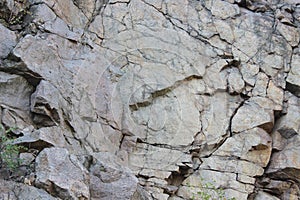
(230, 165)
(294, 75)
(290, 33)
(155, 162)
(236, 83)
(43, 137)
(223, 9)
(175, 89)
(45, 101)
(254, 145)
(195, 182)
(261, 84)
(276, 94)
(289, 125)
(263, 195)
(285, 162)
(46, 19)
(12, 117)
(10, 190)
(111, 180)
(252, 115)
(8, 40)
(15, 91)
(225, 30)
(249, 73)
(247, 43)
(68, 12)
(61, 174)
(286, 189)
(26, 158)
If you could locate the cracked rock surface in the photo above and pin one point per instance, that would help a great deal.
(151, 99)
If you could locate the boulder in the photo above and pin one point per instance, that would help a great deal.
(61, 174)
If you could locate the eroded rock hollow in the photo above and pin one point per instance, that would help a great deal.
(150, 99)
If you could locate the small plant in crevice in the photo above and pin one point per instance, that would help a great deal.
(18, 12)
(209, 191)
(9, 152)
(14, 12)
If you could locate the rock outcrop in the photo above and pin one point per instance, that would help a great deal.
(150, 99)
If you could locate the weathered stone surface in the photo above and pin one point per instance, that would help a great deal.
(289, 125)
(195, 182)
(235, 81)
(225, 30)
(166, 120)
(253, 145)
(45, 101)
(8, 40)
(276, 94)
(223, 9)
(286, 189)
(68, 12)
(264, 195)
(48, 136)
(10, 190)
(60, 173)
(26, 158)
(233, 166)
(252, 115)
(249, 73)
(15, 91)
(47, 19)
(294, 75)
(261, 84)
(290, 33)
(287, 162)
(247, 43)
(245, 179)
(279, 142)
(111, 180)
(142, 158)
(140, 99)
(215, 124)
(12, 117)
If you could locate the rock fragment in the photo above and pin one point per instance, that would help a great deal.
(61, 174)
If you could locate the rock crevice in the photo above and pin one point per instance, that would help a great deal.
(153, 100)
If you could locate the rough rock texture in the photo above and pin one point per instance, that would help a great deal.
(151, 99)
(61, 173)
(12, 191)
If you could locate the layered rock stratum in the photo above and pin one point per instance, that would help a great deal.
(151, 99)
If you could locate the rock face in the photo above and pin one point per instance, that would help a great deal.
(143, 99)
(57, 171)
(11, 190)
